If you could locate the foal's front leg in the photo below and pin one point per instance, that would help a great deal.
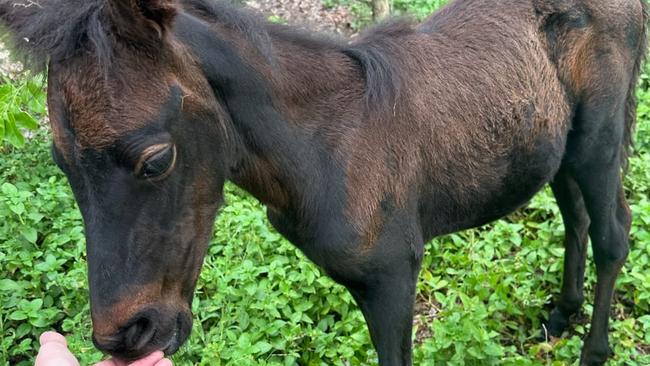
(386, 300)
(385, 292)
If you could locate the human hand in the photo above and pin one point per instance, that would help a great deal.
(54, 352)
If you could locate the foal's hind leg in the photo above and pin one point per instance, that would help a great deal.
(595, 163)
(576, 223)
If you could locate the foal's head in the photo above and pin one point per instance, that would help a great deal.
(141, 138)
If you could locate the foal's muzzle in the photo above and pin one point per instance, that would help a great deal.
(150, 330)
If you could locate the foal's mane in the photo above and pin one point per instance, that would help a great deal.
(58, 30)
(370, 50)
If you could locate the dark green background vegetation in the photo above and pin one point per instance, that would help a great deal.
(481, 297)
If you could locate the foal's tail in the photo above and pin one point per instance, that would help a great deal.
(631, 102)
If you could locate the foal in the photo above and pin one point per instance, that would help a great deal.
(362, 151)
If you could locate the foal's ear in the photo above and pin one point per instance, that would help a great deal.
(142, 18)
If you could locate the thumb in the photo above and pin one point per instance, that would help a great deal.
(54, 351)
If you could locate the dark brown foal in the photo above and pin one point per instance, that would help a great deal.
(362, 151)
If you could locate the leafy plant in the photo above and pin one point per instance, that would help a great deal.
(22, 103)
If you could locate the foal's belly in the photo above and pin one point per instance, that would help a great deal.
(500, 187)
(527, 176)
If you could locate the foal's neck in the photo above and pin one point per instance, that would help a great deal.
(289, 110)
(317, 92)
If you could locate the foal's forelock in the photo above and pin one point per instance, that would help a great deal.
(97, 119)
(129, 96)
(113, 62)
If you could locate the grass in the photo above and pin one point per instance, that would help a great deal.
(481, 297)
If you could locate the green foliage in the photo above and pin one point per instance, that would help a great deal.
(418, 8)
(41, 243)
(22, 103)
(642, 141)
(361, 10)
(277, 19)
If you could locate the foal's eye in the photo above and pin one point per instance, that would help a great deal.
(157, 162)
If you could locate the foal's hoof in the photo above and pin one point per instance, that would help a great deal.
(594, 356)
(556, 325)
(592, 361)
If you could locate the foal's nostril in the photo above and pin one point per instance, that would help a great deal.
(139, 333)
(151, 329)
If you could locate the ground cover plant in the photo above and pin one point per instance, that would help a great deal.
(482, 294)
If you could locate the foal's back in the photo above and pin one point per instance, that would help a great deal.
(488, 91)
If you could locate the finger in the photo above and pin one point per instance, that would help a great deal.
(54, 353)
(150, 360)
(48, 337)
(55, 361)
(164, 362)
(54, 349)
(107, 363)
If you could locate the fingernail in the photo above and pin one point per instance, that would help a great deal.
(156, 355)
(150, 359)
(48, 337)
(164, 362)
